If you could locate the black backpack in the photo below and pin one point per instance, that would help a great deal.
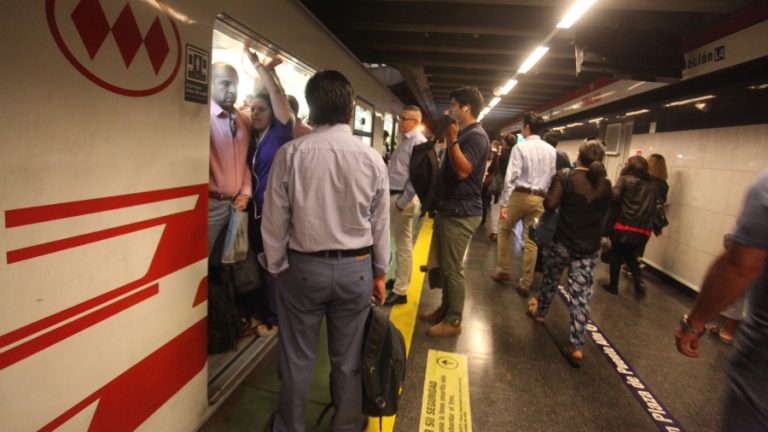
(423, 171)
(383, 369)
(224, 327)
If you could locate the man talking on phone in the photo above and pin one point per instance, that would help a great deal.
(460, 208)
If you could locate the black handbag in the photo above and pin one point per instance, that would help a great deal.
(659, 218)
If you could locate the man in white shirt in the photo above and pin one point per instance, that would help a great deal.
(404, 203)
(531, 167)
(326, 238)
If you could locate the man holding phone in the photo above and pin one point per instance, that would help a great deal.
(460, 209)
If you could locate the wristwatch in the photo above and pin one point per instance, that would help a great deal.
(686, 327)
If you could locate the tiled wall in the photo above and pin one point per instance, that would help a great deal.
(709, 173)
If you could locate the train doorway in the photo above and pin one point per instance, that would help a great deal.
(228, 367)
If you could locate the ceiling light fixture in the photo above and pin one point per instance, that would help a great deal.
(494, 102)
(508, 86)
(689, 101)
(758, 87)
(596, 120)
(576, 11)
(636, 85)
(642, 111)
(533, 59)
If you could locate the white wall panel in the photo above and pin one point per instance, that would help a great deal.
(710, 171)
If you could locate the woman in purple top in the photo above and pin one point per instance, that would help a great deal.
(271, 127)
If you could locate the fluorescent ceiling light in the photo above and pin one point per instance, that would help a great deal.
(689, 101)
(576, 11)
(508, 86)
(636, 85)
(642, 111)
(597, 120)
(574, 124)
(494, 102)
(485, 111)
(758, 87)
(533, 59)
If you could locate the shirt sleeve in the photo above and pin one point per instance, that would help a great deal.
(752, 225)
(513, 171)
(555, 193)
(380, 223)
(474, 150)
(246, 187)
(276, 215)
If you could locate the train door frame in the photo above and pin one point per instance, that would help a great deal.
(615, 159)
(226, 370)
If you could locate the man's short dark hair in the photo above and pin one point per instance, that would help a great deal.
(330, 98)
(469, 96)
(534, 121)
(552, 138)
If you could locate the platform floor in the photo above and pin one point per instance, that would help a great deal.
(518, 380)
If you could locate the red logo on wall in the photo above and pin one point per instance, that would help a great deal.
(129, 48)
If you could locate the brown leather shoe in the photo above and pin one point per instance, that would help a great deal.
(433, 317)
(501, 277)
(520, 290)
(444, 329)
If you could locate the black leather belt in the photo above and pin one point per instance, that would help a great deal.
(221, 196)
(338, 253)
(529, 191)
(459, 212)
(395, 192)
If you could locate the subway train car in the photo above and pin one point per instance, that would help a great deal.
(104, 194)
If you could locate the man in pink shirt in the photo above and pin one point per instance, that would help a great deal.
(229, 186)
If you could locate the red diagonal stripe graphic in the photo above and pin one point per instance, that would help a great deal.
(56, 335)
(45, 213)
(125, 402)
(35, 251)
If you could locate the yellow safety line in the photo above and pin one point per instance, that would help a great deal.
(404, 315)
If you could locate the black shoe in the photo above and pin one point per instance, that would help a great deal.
(610, 289)
(395, 299)
(640, 292)
(389, 284)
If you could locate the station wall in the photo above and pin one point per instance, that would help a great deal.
(710, 171)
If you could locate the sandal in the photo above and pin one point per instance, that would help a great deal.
(715, 331)
(533, 310)
(568, 353)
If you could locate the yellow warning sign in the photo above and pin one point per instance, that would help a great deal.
(445, 403)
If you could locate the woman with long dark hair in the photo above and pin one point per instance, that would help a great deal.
(634, 201)
(583, 196)
(271, 127)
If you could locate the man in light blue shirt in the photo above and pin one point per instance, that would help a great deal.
(404, 203)
(326, 238)
(531, 167)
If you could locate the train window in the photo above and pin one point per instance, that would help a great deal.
(363, 121)
(229, 38)
(389, 126)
